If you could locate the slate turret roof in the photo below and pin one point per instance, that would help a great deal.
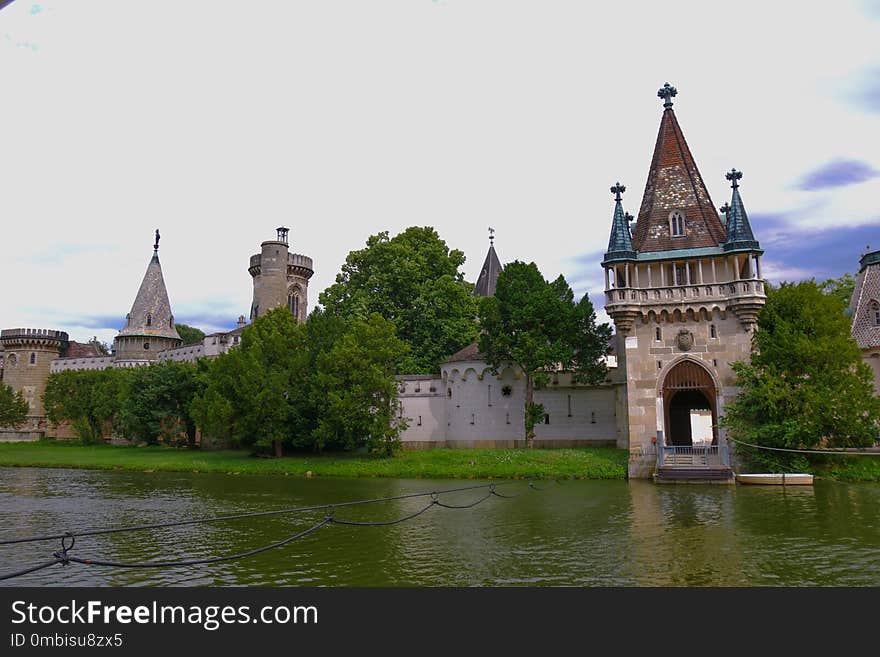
(488, 274)
(151, 311)
(620, 245)
(739, 232)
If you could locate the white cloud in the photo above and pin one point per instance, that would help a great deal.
(217, 122)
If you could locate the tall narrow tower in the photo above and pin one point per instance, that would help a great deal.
(149, 327)
(280, 278)
(684, 289)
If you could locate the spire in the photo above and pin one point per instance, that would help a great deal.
(674, 185)
(739, 232)
(489, 273)
(151, 311)
(620, 246)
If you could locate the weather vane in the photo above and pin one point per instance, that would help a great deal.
(156, 245)
(491, 236)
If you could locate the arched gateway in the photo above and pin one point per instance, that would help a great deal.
(690, 405)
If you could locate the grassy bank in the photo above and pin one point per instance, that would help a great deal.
(585, 463)
(849, 468)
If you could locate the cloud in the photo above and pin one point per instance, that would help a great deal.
(839, 173)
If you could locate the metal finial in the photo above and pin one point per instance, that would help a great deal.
(491, 236)
(734, 176)
(617, 190)
(156, 245)
(628, 216)
(725, 208)
(667, 92)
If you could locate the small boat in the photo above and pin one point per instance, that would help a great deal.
(781, 479)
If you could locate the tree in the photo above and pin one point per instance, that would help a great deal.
(88, 399)
(841, 288)
(249, 393)
(156, 402)
(190, 334)
(355, 389)
(13, 407)
(538, 326)
(413, 280)
(806, 385)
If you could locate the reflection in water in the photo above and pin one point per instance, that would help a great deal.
(572, 534)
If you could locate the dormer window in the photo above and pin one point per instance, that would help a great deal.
(875, 312)
(676, 224)
(149, 320)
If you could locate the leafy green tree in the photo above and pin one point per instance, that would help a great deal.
(537, 325)
(13, 407)
(88, 399)
(249, 393)
(355, 389)
(190, 334)
(156, 402)
(841, 288)
(806, 385)
(415, 281)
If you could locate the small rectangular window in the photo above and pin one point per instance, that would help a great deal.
(658, 334)
(712, 332)
(659, 364)
(592, 417)
(546, 418)
(420, 421)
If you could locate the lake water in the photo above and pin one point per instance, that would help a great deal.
(576, 533)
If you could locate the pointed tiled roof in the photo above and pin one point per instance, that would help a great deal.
(620, 245)
(674, 183)
(865, 300)
(488, 274)
(739, 232)
(151, 311)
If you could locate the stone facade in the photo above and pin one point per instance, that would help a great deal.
(27, 356)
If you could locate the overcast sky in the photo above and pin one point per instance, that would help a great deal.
(218, 121)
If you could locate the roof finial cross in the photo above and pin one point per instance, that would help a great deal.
(724, 209)
(491, 236)
(667, 92)
(734, 176)
(617, 190)
(629, 218)
(156, 245)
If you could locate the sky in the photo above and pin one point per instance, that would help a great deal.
(218, 121)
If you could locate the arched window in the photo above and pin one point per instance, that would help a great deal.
(676, 224)
(875, 313)
(149, 320)
(293, 301)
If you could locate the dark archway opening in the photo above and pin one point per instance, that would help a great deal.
(690, 418)
(690, 405)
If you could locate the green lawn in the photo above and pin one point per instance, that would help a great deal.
(583, 463)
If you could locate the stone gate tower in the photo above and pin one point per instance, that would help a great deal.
(684, 289)
(280, 278)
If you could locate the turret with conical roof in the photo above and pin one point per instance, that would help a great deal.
(149, 327)
(739, 231)
(488, 279)
(620, 246)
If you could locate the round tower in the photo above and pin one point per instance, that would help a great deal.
(27, 354)
(280, 278)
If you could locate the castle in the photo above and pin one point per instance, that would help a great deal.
(683, 287)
